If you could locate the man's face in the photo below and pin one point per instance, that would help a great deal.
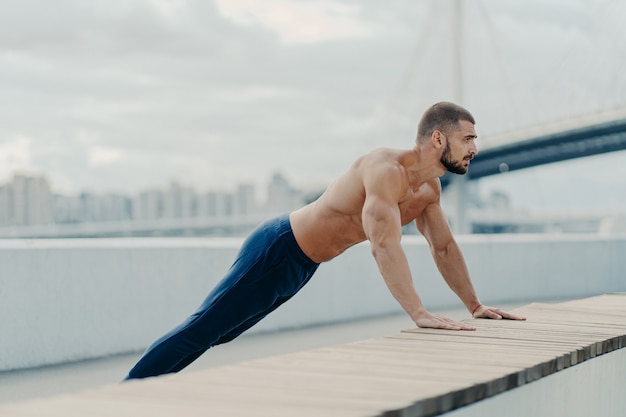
(460, 148)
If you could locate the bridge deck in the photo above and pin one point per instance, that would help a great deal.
(417, 372)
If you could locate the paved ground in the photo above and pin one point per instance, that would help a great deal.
(68, 378)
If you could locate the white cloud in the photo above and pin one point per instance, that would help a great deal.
(170, 7)
(302, 21)
(15, 155)
(100, 155)
(255, 93)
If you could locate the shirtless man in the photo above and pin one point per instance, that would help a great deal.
(382, 191)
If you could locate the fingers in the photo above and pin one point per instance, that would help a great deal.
(455, 325)
(452, 325)
(510, 316)
(496, 314)
(492, 313)
(440, 322)
(462, 326)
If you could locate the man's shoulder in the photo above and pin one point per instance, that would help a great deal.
(383, 153)
(382, 158)
(382, 165)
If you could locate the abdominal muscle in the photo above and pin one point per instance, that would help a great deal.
(323, 234)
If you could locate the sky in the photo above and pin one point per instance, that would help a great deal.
(125, 95)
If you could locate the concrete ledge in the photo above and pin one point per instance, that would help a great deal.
(67, 300)
(592, 388)
(416, 373)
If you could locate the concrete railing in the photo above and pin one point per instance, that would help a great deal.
(66, 300)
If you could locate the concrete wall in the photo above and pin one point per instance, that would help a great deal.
(66, 300)
(592, 388)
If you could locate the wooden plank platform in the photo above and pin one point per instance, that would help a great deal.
(417, 372)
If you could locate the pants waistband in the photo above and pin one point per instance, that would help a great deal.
(283, 226)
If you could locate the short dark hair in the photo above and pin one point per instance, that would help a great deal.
(442, 116)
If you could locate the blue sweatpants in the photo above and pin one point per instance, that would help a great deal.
(269, 269)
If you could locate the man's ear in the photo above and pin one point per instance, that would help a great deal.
(437, 139)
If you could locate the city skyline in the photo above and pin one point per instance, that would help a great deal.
(225, 188)
(28, 209)
(29, 200)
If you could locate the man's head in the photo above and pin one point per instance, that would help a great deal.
(443, 116)
(451, 128)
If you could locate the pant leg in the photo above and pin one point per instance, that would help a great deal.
(233, 334)
(262, 277)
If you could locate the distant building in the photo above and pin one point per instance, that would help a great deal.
(245, 203)
(114, 207)
(179, 202)
(87, 207)
(25, 201)
(67, 209)
(281, 196)
(6, 205)
(148, 205)
(215, 204)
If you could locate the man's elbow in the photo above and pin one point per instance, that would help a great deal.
(383, 250)
(442, 250)
(379, 250)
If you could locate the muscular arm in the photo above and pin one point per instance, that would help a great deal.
(382, 225)
(449, 260)
(447, 255)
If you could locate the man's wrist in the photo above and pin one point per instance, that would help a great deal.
(417, 313)
(475, 309)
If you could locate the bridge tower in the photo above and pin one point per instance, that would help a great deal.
(458, 187)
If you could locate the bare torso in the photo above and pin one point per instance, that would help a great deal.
(333, 223)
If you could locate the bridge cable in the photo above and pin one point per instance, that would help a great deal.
(393, 103)
(554, 76)
(500, 61)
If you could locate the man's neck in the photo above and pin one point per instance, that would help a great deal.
(422, 166)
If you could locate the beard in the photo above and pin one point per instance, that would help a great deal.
(452, 166)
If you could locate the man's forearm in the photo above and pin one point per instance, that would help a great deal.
(452, 267)
(396, 273)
